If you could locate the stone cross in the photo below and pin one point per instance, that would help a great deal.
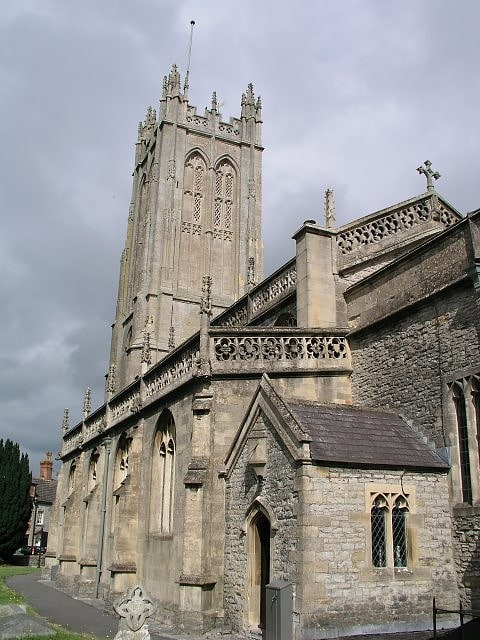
(134, 609)
(428, 172)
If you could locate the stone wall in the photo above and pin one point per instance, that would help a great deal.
(406, 363)
(403, 363)
(466, 525)
(321, 542)
(278, 497)
(340, 592)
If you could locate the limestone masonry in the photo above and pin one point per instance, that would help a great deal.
(319, 426)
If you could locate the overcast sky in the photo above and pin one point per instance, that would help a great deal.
(356, 94)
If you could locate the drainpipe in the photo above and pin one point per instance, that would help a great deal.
(103, 510)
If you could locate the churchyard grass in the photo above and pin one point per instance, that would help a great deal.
(8, 596)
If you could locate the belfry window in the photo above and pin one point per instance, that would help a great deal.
(194, 193)
(224, 198)
(388, 522)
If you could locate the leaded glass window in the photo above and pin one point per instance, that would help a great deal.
(388, 522)
(463, 447)
(399, 533)
(379, 555)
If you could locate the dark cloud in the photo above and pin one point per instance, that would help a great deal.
(355, 96)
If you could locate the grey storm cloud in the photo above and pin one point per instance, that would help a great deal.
(355, 96)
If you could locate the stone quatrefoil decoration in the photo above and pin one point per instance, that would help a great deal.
(135, 608)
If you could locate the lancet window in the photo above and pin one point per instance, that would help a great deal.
(163, 474)
(463, 442)
(388, 522)
(465, 433)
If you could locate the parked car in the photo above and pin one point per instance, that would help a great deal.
(32, 550)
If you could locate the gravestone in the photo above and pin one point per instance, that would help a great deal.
(134, 609)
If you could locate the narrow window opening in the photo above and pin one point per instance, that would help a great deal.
(462, 427)
(399, 533)
(379, 547)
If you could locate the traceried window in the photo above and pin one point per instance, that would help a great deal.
(163, 473)
(388, 522)
(71, 478)
(93, 470)
(194, 194)
(223, 208)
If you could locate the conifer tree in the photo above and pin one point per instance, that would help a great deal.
(15, 501)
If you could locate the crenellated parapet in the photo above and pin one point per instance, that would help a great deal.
(174, 107)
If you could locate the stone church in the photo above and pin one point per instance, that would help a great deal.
(317, 426)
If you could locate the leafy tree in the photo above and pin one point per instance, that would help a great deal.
(15, 501)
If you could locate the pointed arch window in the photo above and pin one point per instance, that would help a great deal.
(194, 193)
(379, 544)
(475, 385)
(162, 477)
(388, 528)
(93, 470)
(71, 477)
(224, 202)
(463, 442)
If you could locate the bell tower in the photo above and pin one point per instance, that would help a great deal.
(195, 211)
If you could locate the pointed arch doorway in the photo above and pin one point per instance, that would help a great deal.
(258, 577)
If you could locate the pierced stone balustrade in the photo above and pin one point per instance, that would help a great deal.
(72, 439)
(271, 349)
(95, 423)
(125, 404)
(173, 370)
(261, 298)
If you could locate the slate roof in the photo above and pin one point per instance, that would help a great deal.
(355, 436)
(45, 490)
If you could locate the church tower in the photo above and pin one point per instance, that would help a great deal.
(195, 211)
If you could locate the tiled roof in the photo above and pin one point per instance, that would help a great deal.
(355, 436)
(45, 490)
